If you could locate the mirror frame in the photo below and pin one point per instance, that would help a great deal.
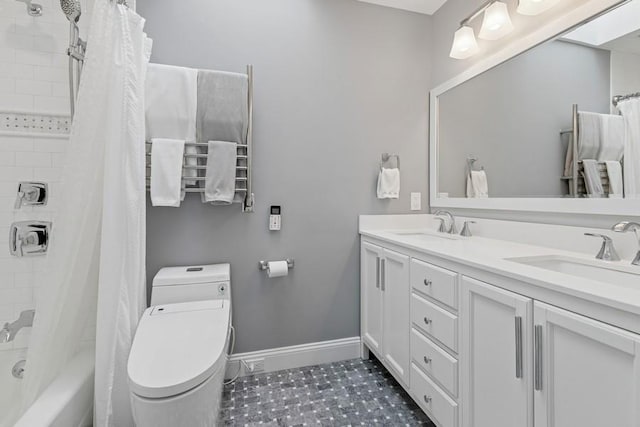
(559, 25)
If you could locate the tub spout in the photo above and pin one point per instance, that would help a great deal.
(9, 331)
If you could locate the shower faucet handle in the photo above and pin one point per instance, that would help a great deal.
(28, 238)
(31, 194)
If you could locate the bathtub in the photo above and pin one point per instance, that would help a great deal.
(67, 402)
(8, 384)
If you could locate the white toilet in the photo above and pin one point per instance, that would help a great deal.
(179, 353)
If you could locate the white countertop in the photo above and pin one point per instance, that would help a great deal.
(489, 254)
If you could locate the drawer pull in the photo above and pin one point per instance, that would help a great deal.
(427, 321)
(426, 398)
(427, 282)
(427, 360)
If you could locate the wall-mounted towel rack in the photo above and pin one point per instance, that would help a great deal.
(387, 160)
(471, 160)
(577, 186)
(244, 165)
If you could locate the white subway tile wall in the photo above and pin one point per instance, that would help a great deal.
(33, 78)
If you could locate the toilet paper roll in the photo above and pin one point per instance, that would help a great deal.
(277, 269)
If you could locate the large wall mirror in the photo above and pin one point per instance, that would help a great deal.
(554, 128)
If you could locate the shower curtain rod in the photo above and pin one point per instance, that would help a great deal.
(616, 99)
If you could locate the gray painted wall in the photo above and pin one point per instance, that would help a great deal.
(512, 115)
(337, 83)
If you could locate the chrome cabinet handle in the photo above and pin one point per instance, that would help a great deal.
(382, 274)
(518, 347)
(538, 357)
(427, 282)
(427, 320)
(427, 360)
(378, 272)
(426, 398)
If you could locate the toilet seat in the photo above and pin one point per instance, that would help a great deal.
(177, 347)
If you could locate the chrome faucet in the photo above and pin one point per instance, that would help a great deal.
(452, 221)
(625, 227)
(10, 330)
(607, 251)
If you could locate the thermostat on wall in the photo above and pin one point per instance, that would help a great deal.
(275, 218)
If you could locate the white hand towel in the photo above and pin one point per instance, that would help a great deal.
(614, 171)
(166, 171)
(589, 133)
(568, 160)
(171, 102)
(220, 182)
(479, 185)
(612, 138)
(592, 178)
(389, 183)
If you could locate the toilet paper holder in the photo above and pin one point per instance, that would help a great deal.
(263, 265)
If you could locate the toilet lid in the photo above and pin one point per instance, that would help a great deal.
(177, 347)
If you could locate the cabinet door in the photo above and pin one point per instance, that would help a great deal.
(587, 373)
(396, 320)
(495, 357)
(371, 296)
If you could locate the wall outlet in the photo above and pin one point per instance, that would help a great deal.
(416, 201)
(254, 365)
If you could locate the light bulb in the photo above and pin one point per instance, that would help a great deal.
(496, 22)
(464, 43)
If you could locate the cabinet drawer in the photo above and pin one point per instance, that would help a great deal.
(435, 401)
(436, 321)
(435, 361)
(438, 283)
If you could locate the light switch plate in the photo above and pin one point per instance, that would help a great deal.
(416, 201)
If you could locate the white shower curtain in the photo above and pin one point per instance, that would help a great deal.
(630, 110)
(97, 252)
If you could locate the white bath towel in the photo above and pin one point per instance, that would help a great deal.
(592, 178)
(220, 182)
(477, 185)
(630, 110)
(171, 102)
(389, 183)
(611, 138)
(166, 172)
(589, 133)
(614, 172)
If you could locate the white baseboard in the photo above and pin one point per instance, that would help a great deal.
(296, 356)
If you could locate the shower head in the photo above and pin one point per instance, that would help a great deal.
(33, 9)
(71, 9)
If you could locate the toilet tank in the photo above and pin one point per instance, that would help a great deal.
(191, 283)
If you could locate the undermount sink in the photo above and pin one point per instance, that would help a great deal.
(428, 234)
(600, 271)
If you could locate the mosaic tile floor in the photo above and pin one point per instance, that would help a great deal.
(354, 392)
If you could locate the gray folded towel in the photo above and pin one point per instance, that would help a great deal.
(220, 180)
(222, 113)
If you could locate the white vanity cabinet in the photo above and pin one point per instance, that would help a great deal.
(521, 357)
(496, 356)
(385, 302)
(588, 371)
(494, 352)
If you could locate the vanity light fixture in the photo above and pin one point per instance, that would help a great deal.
(496, 23)
(535, 7)
(464, 43)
